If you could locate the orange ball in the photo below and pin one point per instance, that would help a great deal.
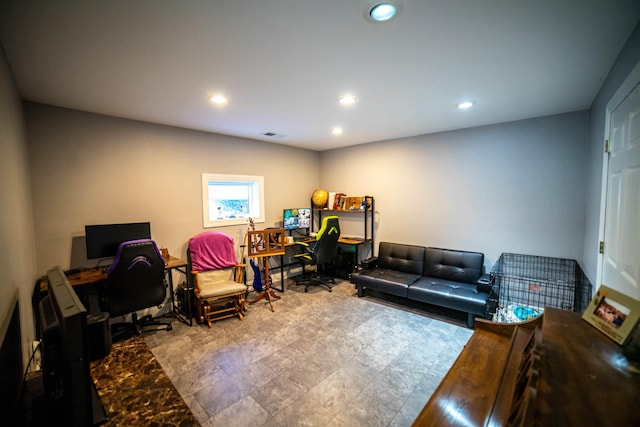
(320, 198)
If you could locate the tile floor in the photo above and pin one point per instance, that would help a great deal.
(321, 359)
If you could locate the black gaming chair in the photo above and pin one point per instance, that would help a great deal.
(135, 282)
(324, 251)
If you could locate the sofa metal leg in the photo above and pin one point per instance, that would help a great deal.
(471, 318)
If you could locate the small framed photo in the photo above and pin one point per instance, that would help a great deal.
(613, 313)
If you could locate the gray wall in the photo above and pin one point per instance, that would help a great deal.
(513, 187)
(93, 169)
(17, 248)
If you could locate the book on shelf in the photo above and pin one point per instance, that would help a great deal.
(335, 200)
(340, 201)
(331, 200)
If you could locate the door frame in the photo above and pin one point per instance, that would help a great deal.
(627, 85)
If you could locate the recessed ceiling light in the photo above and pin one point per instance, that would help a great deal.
(218, 99)
(383, 12)
(465, 105)
(348, 99)
(336, 130)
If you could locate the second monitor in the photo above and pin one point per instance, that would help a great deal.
(297, 219)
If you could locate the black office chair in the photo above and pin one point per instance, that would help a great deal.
(321, 253)
(135, 282)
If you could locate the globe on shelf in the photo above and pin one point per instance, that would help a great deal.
(319, 198)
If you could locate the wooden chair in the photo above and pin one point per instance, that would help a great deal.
(213, 264)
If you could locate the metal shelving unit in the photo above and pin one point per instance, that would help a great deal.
(367, 215)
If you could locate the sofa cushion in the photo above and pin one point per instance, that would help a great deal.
(451, 294)
(401, 257)
(458, 266)
(384, 280)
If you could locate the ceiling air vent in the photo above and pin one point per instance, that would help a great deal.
(274, 135)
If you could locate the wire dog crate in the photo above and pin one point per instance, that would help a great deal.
(528, 283)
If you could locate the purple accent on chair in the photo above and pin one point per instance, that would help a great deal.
(119, 253)
(212, 250)
(137, 260)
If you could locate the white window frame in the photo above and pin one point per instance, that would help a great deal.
(255, 210)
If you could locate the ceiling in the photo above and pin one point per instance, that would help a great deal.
(282, 64)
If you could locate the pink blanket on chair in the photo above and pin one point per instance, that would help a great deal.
(212, 250)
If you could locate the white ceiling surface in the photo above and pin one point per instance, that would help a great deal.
(283, 63)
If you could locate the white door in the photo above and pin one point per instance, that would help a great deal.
(621, 256)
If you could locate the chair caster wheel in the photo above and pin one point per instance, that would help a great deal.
(169, 327)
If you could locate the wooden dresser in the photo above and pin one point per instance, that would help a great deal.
(556, 370)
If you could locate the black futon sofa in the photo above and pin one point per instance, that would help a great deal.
(443, 277)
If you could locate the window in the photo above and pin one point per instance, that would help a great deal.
(231, 199)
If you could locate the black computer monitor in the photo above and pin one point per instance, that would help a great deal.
(103, 240)
(297, 219)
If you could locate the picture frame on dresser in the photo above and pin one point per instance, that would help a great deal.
(613, 313)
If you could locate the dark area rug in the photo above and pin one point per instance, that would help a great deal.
(135, 390)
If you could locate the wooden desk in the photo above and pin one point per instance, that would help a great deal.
(356, 243)
(578, 377)
(179, 265)
(88, 276)
(343, 240)
(91, 276)
(350, 241)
